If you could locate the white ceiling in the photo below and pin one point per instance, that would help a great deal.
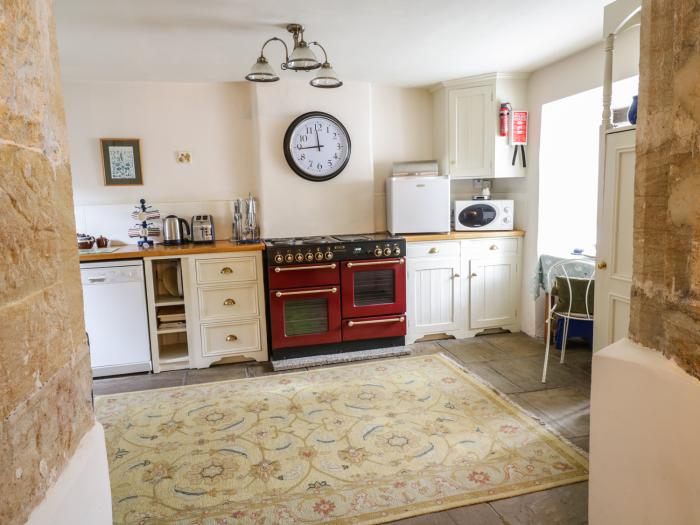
(396, 42)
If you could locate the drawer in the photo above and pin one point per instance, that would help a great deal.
(229, 270)
(281, 277)
(235, 301)
(374, 327)
(235, 337)
(485, 247)
(433, 249)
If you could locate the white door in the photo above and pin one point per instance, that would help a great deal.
(471, 121)
(433, 295)
(493, 289)
(613, 280)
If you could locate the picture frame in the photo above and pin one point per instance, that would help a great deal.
(121, 162)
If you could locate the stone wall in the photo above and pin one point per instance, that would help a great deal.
(45, 381)
(666, 284)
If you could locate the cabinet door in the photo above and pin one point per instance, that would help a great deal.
(493, 287)
(471, 122)
(433, 295)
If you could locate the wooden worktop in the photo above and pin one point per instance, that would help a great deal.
(456, 236)
(132, 251)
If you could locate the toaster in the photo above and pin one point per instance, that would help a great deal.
(202, 228)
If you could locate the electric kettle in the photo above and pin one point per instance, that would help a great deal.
(173, 231)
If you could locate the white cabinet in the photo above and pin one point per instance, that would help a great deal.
(492, 291)
(462, 287)
(465, 135)
(471, 131)
(434, 291)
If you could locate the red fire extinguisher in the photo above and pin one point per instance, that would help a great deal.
(503, 115)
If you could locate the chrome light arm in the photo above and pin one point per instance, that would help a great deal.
(325, 55)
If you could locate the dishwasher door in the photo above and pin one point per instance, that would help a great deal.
(116, 319)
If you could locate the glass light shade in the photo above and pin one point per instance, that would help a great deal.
(326, 77)
(302, 58)
(262, 72)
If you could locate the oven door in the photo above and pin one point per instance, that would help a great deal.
(478, 216)
(373, 288)
(305, 316)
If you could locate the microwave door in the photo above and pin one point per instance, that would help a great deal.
(477, 215)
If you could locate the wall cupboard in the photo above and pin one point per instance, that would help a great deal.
(465, 134)
(462, 287)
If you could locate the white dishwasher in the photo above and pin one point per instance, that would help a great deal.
(116, 320)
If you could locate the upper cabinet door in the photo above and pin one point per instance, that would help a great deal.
(471, 128)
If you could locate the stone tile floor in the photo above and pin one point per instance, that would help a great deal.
(512, 363)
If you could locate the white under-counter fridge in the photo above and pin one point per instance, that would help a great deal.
(116, 319)
(417, 199)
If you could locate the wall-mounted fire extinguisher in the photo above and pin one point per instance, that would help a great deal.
(503, 115)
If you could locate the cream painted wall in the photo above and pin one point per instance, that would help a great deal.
(574, 74)
(402, 129)
(293, 206)
(212, 121)
(235, 131)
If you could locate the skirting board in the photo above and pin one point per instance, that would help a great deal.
(82, 494)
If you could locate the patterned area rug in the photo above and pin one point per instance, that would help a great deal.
(366, 443)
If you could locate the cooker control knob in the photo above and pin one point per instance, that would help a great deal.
(309, 256)
(289, 258)
(319, 256)
(378, 251)
(279, 259)
(329, 255)
(387, 251)
(299, 257)
(397, 251)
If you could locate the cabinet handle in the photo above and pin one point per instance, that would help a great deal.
(493, 247)
(226, 270)
(306, 292)
(457, 276)
(602, 265)
(229, 302)
(231, 338)
(473, 275)
(434, 250)
(377, 321)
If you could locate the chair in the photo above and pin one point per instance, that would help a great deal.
(584, 270)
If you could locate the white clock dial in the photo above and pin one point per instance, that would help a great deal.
(317, 146)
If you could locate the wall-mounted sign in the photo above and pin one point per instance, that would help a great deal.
(518, 128)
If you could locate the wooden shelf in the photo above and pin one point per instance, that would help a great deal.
(171, 330)
(169, 300)
(173, 353)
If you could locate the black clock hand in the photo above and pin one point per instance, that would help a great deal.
(318, 143)
(312, 147)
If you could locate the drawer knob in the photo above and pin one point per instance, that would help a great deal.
(231, 338)
(433, 250)
(493, 247)
(226, 270)
(229, 302)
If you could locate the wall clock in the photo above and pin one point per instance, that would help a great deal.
(317, 146)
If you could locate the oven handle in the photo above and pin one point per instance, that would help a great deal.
(306, 292)
(377, 321)
(374, 263)
(315, 267)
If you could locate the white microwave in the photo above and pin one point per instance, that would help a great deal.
(483, 215)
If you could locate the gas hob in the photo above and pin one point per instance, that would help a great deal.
(309, 250)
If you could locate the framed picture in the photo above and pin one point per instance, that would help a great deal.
(121, 161)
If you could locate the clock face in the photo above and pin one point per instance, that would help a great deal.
(317, 146)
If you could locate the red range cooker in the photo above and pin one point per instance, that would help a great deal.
(335, 293)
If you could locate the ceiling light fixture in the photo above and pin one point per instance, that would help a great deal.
(302, 58)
